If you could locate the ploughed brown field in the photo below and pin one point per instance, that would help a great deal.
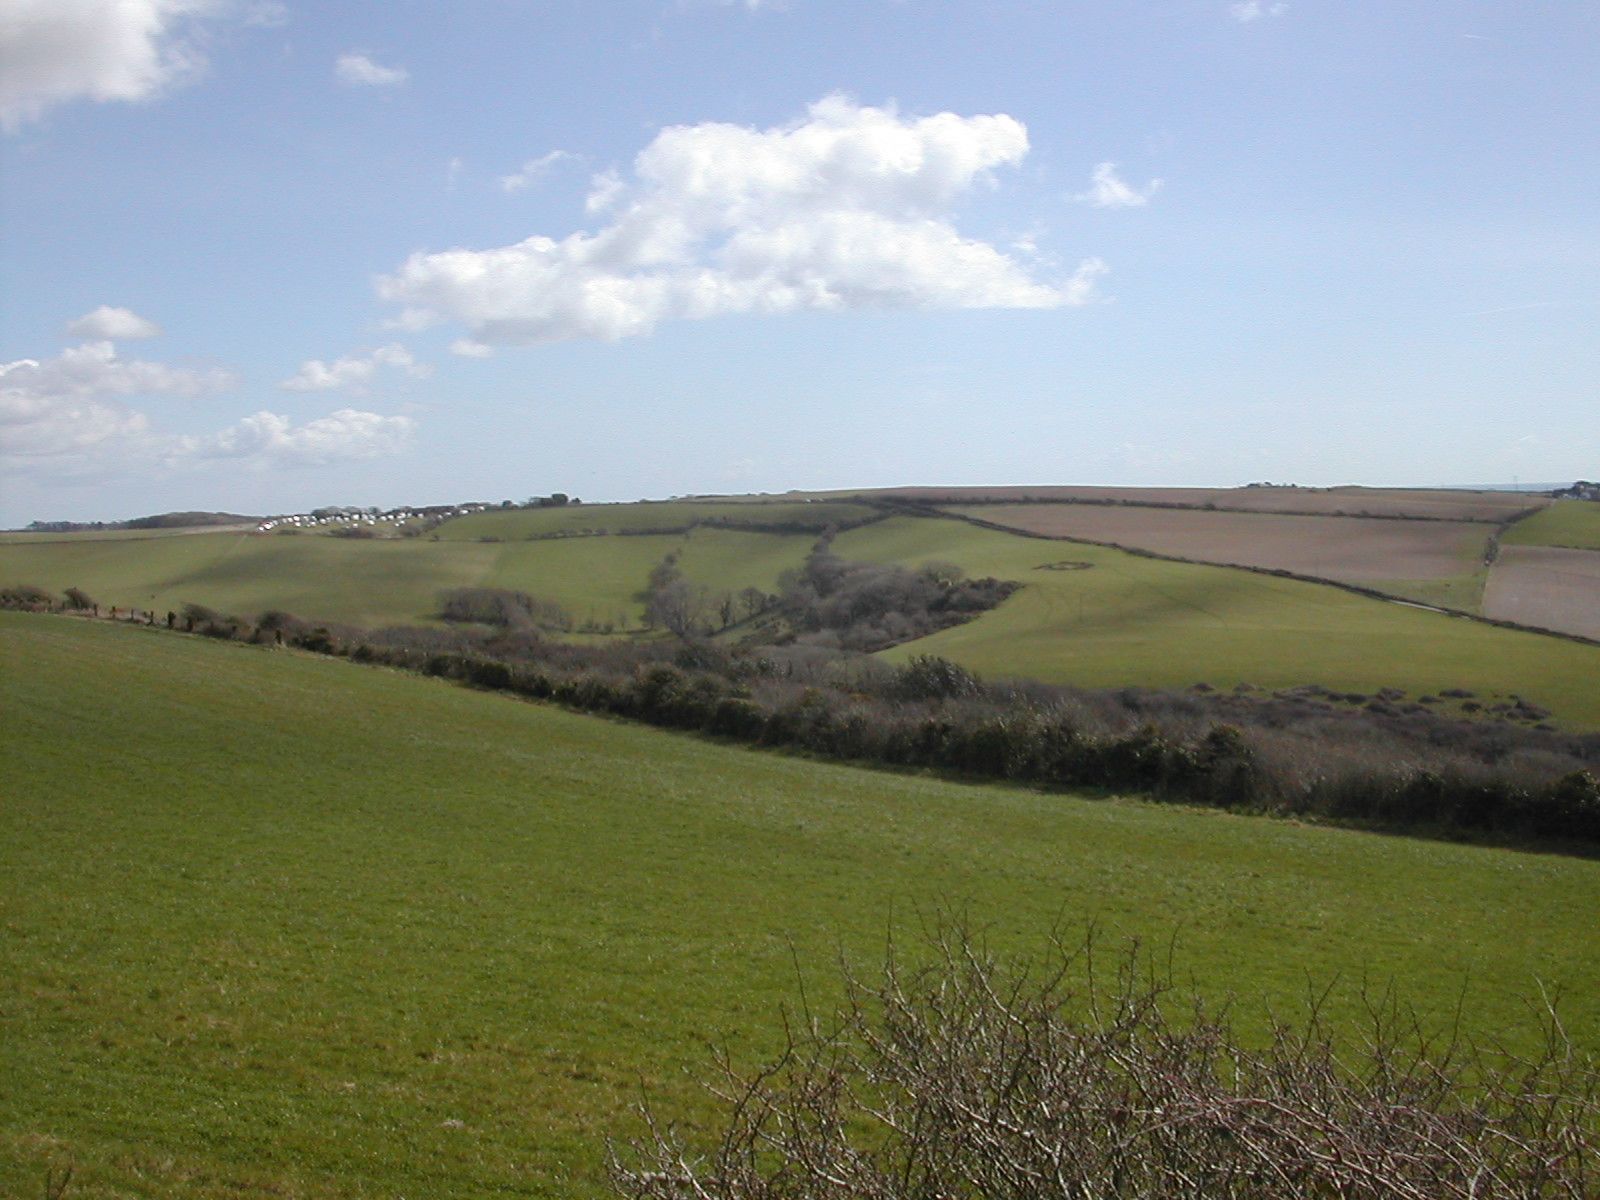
(1358, 550)
(1439, 504)
(1548, 586)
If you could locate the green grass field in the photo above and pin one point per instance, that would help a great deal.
(334, 579)
(384, 582)
(1131, 619)
(1574, 523)
(1462, 592)
(275, 925)
(522, 523)
(1125, 620)
(17, 538)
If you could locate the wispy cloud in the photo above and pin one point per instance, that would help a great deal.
(1253, 10)
(266, 14)
(1511, 308)
(532, 170)
(357, 70)
(1108, 190)
(353, 370)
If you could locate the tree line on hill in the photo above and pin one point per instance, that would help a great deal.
(171, 520)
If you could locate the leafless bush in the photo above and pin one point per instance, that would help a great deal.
(977, 1078)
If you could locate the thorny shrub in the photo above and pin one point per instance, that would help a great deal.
(973, 1077)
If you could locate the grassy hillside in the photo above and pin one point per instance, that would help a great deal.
(1574, 523)
(522, 523)
(361, 582)
(1125, 619)
(278, 925)
(380, 582)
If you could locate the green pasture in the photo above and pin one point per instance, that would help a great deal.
(1126, 619)
(1129, 619)
(276, 925)
(21, 538)
(602, 578)
(521, 523)
(372, 582)
(362, 582)
(1574, 523)
(1463, 592)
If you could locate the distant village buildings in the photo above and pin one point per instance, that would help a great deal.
(338, 516)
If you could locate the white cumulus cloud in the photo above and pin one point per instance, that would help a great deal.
(55, 51)
(74, 402)
(269, 439)
(107, 324)
(353, 370)
(358, 70)
(69, 416)
(847, 208)
(1108, 190)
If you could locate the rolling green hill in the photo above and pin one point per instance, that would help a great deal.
(522, 523)
(1123, 618)
(280, 925)
(383, 582)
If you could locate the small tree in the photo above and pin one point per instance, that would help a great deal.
(79, 599)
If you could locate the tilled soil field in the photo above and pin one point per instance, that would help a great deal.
(1347, 549)
(1438, 504)
(1547, 586)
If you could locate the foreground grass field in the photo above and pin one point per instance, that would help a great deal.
(1120, 619)
(276, 925)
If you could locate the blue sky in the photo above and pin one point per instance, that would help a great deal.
(263, 256)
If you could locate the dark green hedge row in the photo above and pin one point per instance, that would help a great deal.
(1218, 769)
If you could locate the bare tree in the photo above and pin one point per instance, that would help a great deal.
(679, 607)
(973, 1078)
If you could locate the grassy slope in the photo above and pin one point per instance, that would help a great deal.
(1463, 592)
(1574, 523)
(1132, 619)
(1128, 620)
(523, 523)
(335, 579)
(117, 535)
(277, 925)
(389, 582)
